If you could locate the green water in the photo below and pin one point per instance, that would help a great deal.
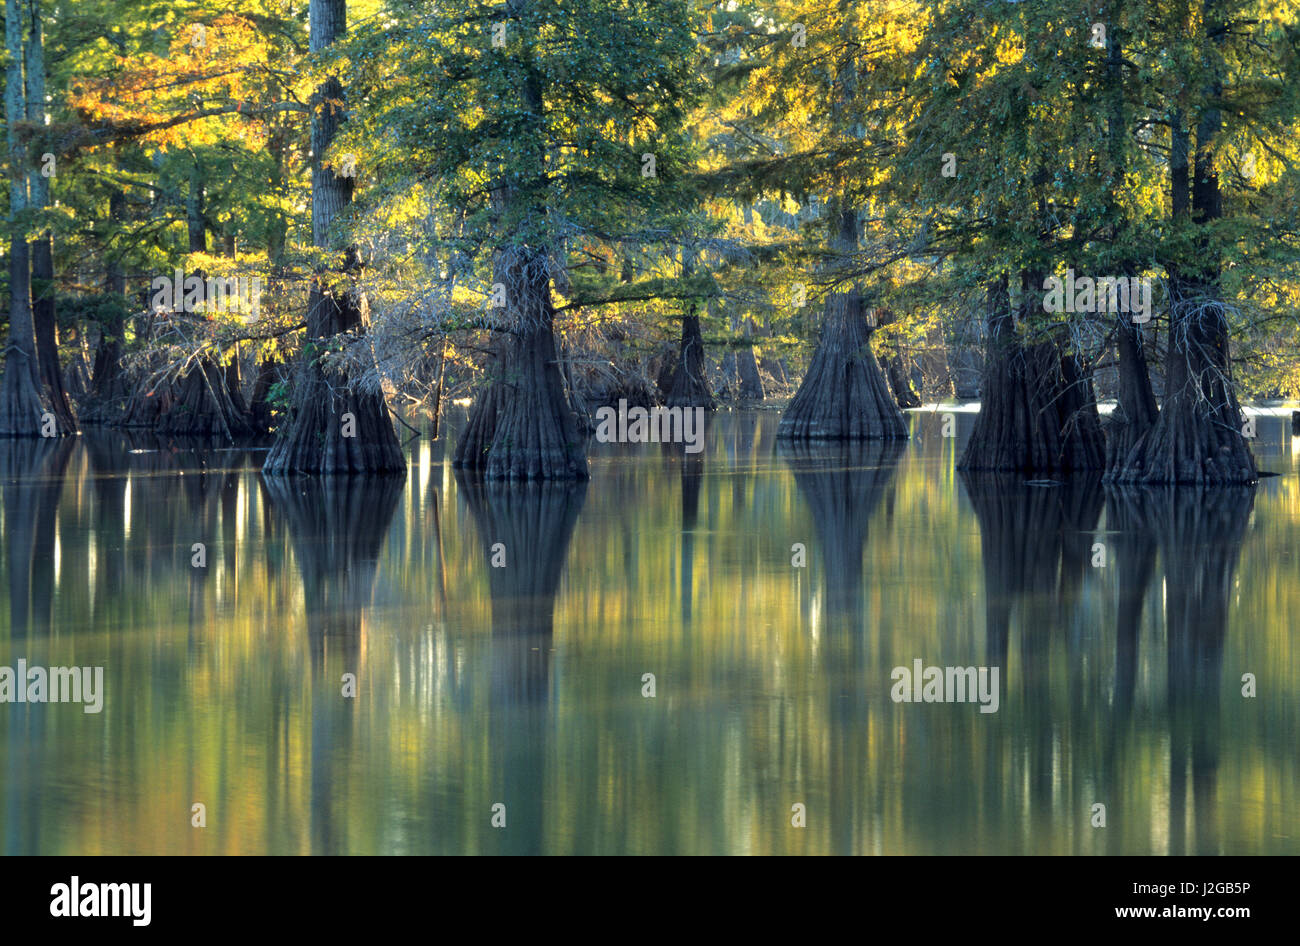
(1120, 680)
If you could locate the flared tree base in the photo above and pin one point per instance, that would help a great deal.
(844, 395)
(522, 427)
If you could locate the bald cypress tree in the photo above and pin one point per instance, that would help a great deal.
(547, 128)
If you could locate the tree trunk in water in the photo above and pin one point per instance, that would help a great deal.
(268, 373)
(895, 369)
(22, 399)
(42, 248)
(1197, 437)
(1136, 412)
(1037, 411)
(751, 385)
(332, 426)
(204, 403)
(690, 384)
(844, 395)
(522, 427)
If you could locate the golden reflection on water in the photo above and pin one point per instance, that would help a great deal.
(522, 685)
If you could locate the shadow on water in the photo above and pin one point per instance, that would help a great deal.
(337, 527)
(1198, 534)
(1039, 549)
(843, 485)
(32, 473)
(528, 527)
(691, 470)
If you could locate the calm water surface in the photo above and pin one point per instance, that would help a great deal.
(1122, 621)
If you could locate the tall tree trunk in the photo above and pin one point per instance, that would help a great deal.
(1136, 410)
(42, 248)
(751, 383)
(23, 403)
(689, 386)
(107, 399)
(895, 369)
(318, 437)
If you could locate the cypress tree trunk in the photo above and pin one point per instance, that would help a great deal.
(690, 384)
(1136, 411)
(106, 401)
(844, 395)
(204, 402)
(268, 373)
(1037, 412)
(522, 427)
(751, 384)
(318, 437)
(22, 398)
(895, 370)
(42, 248)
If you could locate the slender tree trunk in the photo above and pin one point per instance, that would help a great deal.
(689, 386)
(895, 369)
(1136, 411)
(42, 247)
(333, 427)
(22, 399)
(751, 383)
(107, 399)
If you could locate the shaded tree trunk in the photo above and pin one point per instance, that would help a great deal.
(1136, 411)
(106, 401)
(844, 395)
(42, 248)
(1037, 412)
(895, 369)
(205, 402)
(523, 427)
(690, 384)
(23, 402)
(751, 384)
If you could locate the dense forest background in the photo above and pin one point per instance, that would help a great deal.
(325, 219)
